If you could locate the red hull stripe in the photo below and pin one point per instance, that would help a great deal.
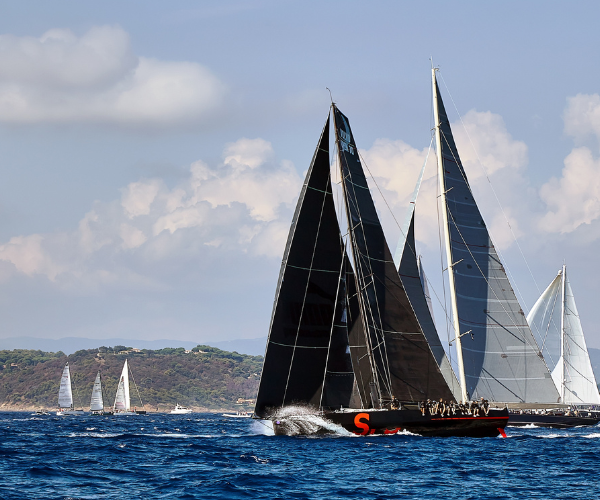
(471, 418)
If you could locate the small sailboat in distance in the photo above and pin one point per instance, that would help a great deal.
(122, 405)
(65, 395)
(97, 401)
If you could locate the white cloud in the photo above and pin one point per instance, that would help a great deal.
(138, 196)
(28, 256)
(482, 141)
(574, 199)
(60, 77)
(582, 116)
(485, 141)
(242, 207)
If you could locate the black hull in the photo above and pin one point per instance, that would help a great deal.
(367, 422)
(554, 421)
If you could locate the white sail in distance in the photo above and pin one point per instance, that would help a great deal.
(122, 397)
(97, 403)
(555, 322)
(65, 393)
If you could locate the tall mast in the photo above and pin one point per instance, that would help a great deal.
(457, 339)
(562, 334)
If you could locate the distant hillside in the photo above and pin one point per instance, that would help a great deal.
(204, 377)
(69, 345)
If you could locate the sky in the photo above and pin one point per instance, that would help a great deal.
(151, 153)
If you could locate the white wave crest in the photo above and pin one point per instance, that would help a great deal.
(303, 420)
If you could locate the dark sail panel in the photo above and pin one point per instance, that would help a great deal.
(359, 350)
(404, 365)
(305, 309)
(339, 376)
(502, 361)
(410, 276)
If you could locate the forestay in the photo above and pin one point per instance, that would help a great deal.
(555, 322)
(502, 361)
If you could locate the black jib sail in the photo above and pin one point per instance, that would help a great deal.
(410, 275)
(501, 359)
(402, 363)
(306, 360)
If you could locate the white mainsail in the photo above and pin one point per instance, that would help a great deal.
(555, 322)
(122, 396)
(65, 394)
(97, 403)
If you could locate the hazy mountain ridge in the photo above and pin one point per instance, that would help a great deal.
(206, 377)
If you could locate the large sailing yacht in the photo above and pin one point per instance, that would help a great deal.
(344, 342)
(497, 354)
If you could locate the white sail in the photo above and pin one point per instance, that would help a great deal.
(556, 324)
(97, 404)
(122, 396)
(65, 394)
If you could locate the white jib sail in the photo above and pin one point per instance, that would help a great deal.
(580, 383)
(122, 397)
(565, 353)
(65, 394)
(97, 404)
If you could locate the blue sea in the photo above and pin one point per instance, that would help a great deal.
(207, 456)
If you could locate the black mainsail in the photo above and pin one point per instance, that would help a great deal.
(501, 359)
(401, 360)
(306, 360)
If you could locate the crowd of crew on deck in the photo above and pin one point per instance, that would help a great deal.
(448, 409)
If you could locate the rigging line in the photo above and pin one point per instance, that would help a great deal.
(354, 202)
(135, 385)
(356, 251)
(312, 259)
(492, 187)
(337, 291)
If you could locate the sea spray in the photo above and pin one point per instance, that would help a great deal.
(303, 420)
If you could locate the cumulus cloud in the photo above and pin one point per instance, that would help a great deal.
(574, 199)
(582, 116)
(242, 205)
(485, 147)
(484, 141)
(96, 77)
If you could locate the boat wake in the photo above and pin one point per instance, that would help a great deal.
(302, 420)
